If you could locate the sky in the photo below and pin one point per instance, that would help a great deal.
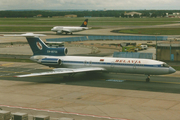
(90, 4)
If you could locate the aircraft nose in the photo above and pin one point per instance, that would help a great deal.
(53, 29)
(171, 70)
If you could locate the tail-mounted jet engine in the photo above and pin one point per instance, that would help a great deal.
(61, 51)
(50, 61)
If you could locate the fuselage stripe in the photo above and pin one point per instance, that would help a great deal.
(107, 63)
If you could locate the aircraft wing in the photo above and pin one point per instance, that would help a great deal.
(66, 30)
(63, 71)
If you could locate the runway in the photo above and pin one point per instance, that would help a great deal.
(89, 96)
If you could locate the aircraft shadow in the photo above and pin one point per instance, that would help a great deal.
(105, 80)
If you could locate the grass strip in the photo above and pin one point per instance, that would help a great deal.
(152, 31)
(16, 60)
(23, 29)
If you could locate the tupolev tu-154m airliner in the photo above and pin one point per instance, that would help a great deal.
(56, 57)
(70, 29)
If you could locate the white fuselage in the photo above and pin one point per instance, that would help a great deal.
(67, 29)
(118, 65)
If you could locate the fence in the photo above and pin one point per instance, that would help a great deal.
(133, 55)
(85, 38)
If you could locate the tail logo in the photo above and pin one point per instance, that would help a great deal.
(39, 45)
(85, 23)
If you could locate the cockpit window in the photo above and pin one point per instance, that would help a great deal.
(165, 65)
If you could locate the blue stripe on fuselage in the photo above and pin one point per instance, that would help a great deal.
(106, 63)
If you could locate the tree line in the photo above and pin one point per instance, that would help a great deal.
(108, 13)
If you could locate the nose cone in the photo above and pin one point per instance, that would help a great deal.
(171, 70)
(53, 29)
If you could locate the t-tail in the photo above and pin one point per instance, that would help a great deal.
(38, 47)
(84, 24)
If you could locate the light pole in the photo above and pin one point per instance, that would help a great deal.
(170, 51)
(156, 47)
(156, 44)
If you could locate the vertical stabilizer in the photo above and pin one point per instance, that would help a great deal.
(84, 24)
(38, 47)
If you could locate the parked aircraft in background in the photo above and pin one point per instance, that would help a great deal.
(56, 57)
(69, 29)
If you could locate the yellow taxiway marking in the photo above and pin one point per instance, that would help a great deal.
(5, 76)
(7, 64)
(167, 82)
(149, 82)
(14, 72)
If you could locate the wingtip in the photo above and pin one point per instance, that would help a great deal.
(17, 76)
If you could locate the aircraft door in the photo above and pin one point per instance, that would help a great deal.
(86, 63)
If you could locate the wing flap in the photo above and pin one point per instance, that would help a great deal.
(62, 71)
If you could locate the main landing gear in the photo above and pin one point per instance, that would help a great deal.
(148, 78)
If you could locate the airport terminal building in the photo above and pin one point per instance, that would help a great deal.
(168, 51)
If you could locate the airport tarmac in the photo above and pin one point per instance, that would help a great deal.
(89, 97)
